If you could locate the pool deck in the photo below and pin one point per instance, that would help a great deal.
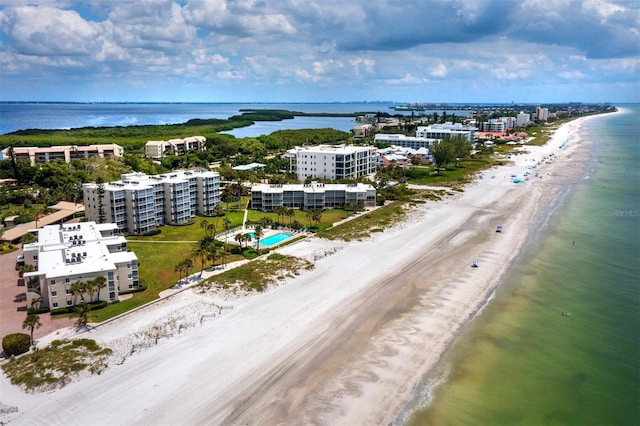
(266, 233)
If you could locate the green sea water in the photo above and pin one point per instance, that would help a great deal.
(559, 344)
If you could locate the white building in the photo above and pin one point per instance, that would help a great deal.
(446, 130)
(404, 141)
(331, 161)
(63, 153)
(160, 149)
(310, 196)
(139, 203)
(68, 253)
(522, 119)
(542, 114)
(500, 125)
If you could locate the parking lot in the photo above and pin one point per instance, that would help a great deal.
(13, 302)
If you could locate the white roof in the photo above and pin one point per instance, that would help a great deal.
(74, 249)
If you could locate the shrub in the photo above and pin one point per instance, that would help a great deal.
(250, 253)
(37, 311)
(16, 344)
(94, 306)
(152, 233)
(134, 290)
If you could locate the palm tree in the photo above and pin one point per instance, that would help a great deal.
(309, 215)
(226, 224)
(82, 312)
(212, 255)
(188, 264)
(239, 239)
(36, 301)
(31, 322)
(201, 253)
(179, 268)
(99, 283)
(291, 213)
(316, 215)
(258, 233)
(79, 288)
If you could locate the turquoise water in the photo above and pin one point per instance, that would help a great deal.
(275, 239)
(522, 361)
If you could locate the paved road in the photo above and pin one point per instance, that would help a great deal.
(13, 302)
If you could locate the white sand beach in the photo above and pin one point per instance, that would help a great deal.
(346, 343)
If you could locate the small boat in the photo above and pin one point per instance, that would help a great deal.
(475, 263)
(499, 228)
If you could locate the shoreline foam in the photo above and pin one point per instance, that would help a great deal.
(337, 345)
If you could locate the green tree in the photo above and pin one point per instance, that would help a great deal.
(98, 284)
(82, 314)
(316, 215)
(201, 252)
(443, 154)
(79, 288)
(291, 214)
(31, 322)
(258, 233)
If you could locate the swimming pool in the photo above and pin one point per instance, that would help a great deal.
(275, 239)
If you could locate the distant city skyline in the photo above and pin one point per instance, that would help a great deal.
(457, 51)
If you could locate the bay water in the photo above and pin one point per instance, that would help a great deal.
(560, 341)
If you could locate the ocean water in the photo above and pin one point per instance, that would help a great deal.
(23, 115)
(521, 361)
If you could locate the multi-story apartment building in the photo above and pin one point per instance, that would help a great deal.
(522, 119)
(499, 125)
(310, 196)
(160, 149)
(542, 114)
(331, 161)
(63, 153)
(446, 130)
(139, 203)
(68, 253)
(404, 141)
(363, 131)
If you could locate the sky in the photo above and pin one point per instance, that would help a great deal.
(494, 51)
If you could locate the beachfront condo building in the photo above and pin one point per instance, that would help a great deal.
(446, 130)
(160, 149)
(523, 119)
(542, 114)
(36, 155)
(309, 196)
(67, 253)
(139, 203)
(404, 141)
(331, 161)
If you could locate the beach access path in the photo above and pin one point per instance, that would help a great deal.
(345, 343)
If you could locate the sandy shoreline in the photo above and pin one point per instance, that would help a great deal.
(346, 343)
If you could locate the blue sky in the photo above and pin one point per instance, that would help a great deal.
(318, 51)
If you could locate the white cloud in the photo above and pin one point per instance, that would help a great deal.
(440, 71)
(57, 32)
(380, 47)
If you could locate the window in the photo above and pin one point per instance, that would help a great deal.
(52, 282)
(54, 293)
(68, 291)
(69, 303)
(66, 280)
(55, 304)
